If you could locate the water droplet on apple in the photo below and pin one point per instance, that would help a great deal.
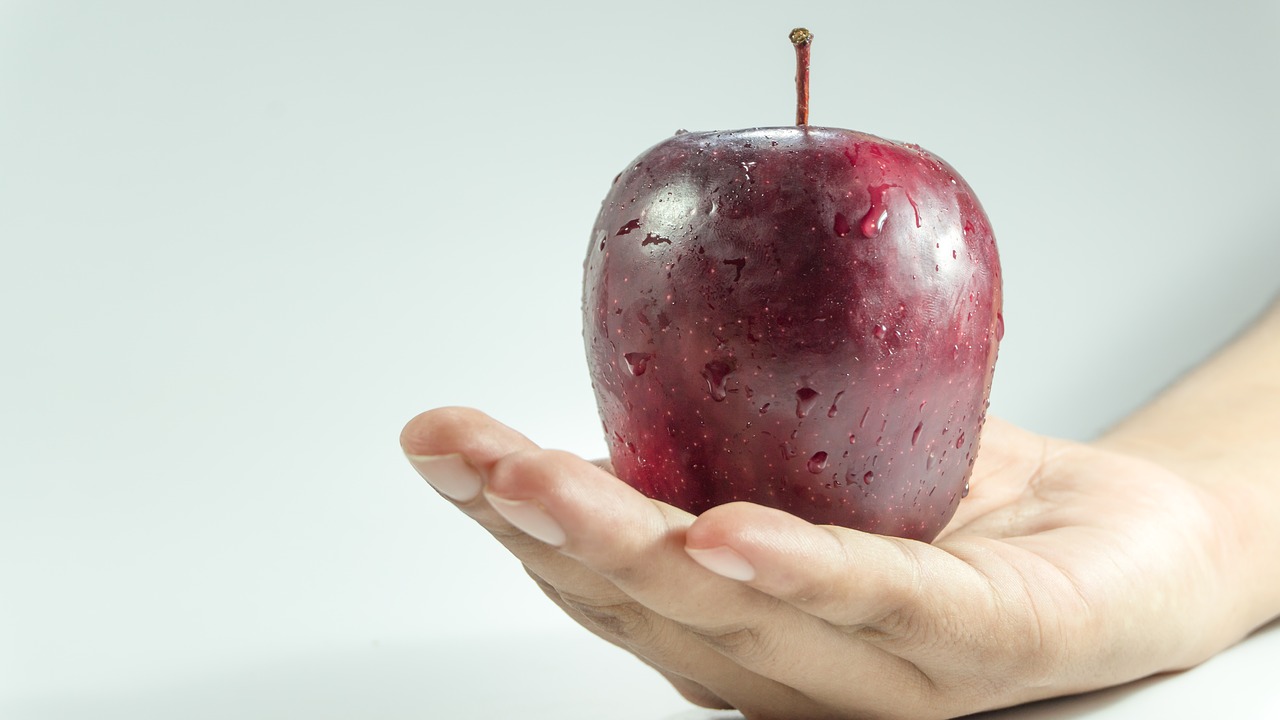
(764, 408)
(682, 131)
(960, 440)
(834, 409)
(866, 477)
(637, 362)
(817, 463)
(629, 226)
(880, 331)
(805, 398)
(716, 372)
(965, 493)
(873, 222)
(853, 439)
(999, 327)
(654, 239)
(915, 434)
(841, 226)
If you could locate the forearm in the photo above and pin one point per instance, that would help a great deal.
(1220, 427)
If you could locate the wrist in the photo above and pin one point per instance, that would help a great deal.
(1244, 538)
(1216, 429)
(1253, 526)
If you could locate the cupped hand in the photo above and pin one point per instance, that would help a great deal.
(1068, 568)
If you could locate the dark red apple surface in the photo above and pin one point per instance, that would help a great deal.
(801, 317)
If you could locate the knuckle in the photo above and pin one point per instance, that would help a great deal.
(742, 642)
(622, 618)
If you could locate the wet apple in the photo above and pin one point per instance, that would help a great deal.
(801, 317)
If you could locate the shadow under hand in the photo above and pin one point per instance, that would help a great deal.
(569, 677)
(552, 677)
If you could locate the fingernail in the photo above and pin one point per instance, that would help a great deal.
(530, 518)
(724, 561)
(449, 474)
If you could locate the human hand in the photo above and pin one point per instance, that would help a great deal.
(1068, 568)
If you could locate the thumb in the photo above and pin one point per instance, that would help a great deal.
(843, 576)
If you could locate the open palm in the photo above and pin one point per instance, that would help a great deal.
(1068, 568)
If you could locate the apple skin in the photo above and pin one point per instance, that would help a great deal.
(801, 317)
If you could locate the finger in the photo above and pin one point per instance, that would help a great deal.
(454, 449)
(447, 430)
(639, 545)
(845, 577)
(537, 490)
(457, 449)
(610, 527)
(450, 447)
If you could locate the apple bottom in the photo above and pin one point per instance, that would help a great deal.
(869, 455)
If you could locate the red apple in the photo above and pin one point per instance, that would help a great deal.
(801, 317)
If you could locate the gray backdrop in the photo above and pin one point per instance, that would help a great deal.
(244, 242)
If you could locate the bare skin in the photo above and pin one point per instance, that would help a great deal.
(1070, 567)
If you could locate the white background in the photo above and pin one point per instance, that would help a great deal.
(242, 242)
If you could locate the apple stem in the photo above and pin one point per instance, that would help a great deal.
(802, 39)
